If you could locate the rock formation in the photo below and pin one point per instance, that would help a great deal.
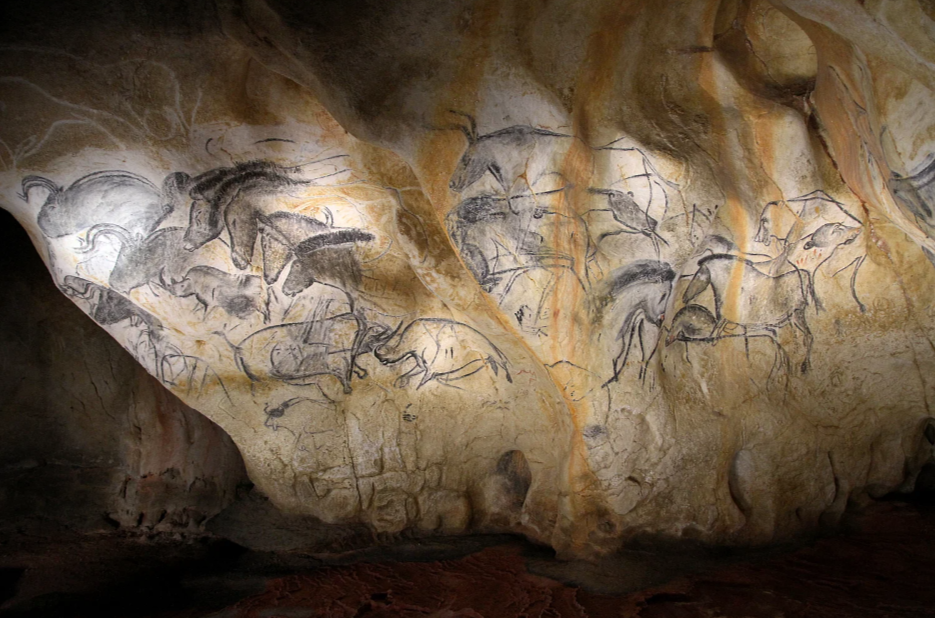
(584, 271)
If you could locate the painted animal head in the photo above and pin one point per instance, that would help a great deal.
(691, 323)
(776, 221)
(388, 345)
(655, 302)
(476, 160)
(832, 235)
(204, 224)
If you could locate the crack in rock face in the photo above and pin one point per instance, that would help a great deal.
(584, 271)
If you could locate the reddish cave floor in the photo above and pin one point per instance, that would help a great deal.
(884, 565)
(886, 568)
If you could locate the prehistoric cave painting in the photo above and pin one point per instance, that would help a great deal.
(121, 198)
(301, 353)
(522, 238)
(275, 414)
(107, 307)
(280, 232)
(144, 261)
(635, 295)
(626, 212)
(811, 230)
(174, 262)
(752, 300)
(917, 194)
(232, 198)
(503, 243)
(516, 157)
(441, 350)
(149, 346)
(327, 258)
(237, 295)
(694, 324)
(636, 196)
(190, 375)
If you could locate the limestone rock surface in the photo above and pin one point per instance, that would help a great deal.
(586, 271)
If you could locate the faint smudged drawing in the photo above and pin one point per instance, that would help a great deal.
(917, 193)
(809, 230)
(752, 300)
(635, 295)
(120, 198)
(153, 259)
(502, 243)
(576, 382)
(695, 324)
(237, 295)
(301, 353)
(516, 157)
(191, 375)
(107, 307)
(277, 412)
(440, 350)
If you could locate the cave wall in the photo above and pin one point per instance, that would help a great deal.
(583, 271)
(93, 442)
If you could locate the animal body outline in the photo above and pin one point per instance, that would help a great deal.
(237, 295)
(107, 306)
(631, 217)
(141, 261)
(695, 324)
(643, 287)
(407, 347)
(916, 193)
(811, 226)
(111, 196)
(311, 348)
(787, 295)
(496, 153)
(226, 198)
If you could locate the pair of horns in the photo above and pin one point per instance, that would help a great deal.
(469, 131)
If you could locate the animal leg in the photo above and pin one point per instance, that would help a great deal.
(857, 264)
(652, 353)
(798, 320)
(345, 382)
(810, 282)
(621, 361)
(746, 343)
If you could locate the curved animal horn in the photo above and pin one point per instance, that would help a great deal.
(31, 182)
(471, 130)
(90, 239)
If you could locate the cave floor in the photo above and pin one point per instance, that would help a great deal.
(883, 564)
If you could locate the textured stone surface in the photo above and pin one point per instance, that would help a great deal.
(92, 442)
(584, 271)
